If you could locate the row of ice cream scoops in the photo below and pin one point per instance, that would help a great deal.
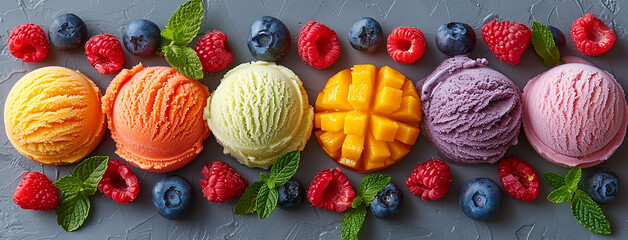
(366, 118)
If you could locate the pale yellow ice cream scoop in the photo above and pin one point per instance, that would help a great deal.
(259, 112)
(52, 115)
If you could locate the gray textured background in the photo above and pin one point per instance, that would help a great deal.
(441, 219)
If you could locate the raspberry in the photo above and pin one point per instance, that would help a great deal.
(29, 43)
(430, 180)
(221, 182)
(406, 44)
(331, 190)
(104, 52)
(37, 192)
(213, 51)
(318, 45)
(507, 40)
(591, 36)
(119, 183)
(519, 178)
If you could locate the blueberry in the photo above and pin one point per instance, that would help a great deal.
(366, 35)
(455, 38)
(142, 37)
(387, 203)
(480, 199)
(173, 197)
(602, 185)
(269, 39)
(559, 37)
(290, 194)
(67, 31)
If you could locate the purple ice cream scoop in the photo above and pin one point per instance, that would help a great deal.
(472, 113)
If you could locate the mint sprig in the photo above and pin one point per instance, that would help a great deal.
(584, 209)
(74, 203)
(262, 195)
(353, 220)
(544, 45)
(182, 27)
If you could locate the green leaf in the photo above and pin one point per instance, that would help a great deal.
(544, 46)
(589, 213)
(285, 167)
(352, 223)
(371, 185)
(69, 184)
(90, 171)
(266, 201)
(357, 201)
(560, 195)
(185, 22)
(184, 60)
(247, 201)
(265, 178)
(72, 210)
(573, 178)
(554, 180)
(167, 33)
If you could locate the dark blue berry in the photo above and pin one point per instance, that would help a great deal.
(290, 194)
(559, 37)
(67, 31)
(269, 39)
(387, 203)
(366, 35)
(480, 199)
(173, 197)
(602, 185)
(142, 37)
(455, 38)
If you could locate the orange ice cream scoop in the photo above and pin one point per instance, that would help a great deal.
(155, 116)
(52, 116)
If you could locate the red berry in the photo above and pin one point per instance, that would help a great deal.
(406, 44)
(318, 45)
(36, 192)
(29, 43)
(221, 182)
(430, 180)
(331, 190)
(591, 36)
(213, 51)
(519, 178)
(104, 52)
(119, 183)
(507, 40)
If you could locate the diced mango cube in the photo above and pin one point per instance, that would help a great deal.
(389, 77)
(372, 165)
(407, 134)
(317, 120)
(410, 110)
(363, 74)
(352, 147)
(336, 97)
(332, 142)
(355, 123)
(409, 89)
(320, 106)
(383, 129)
(360, 96)
(342, 78)
(333, 122)
(376, 151)
(348, 162)
(398, 150)
(387, 100)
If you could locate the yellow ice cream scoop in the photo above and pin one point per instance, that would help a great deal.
(52, 115)
(259, 112)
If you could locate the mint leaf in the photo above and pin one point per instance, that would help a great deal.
(265, 178)
(554, 180)
(573, 178)
(185, 22)
(544, 46)
(357, 201)
(69, 184)
(184, 60)
(90, 171)
(352, 223)
(560, 195)
(285, 167)
(589, 214)
(72, 210)
(371, 185)
(247, 201)
(266, 201)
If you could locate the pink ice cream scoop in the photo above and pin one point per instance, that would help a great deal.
(574, 114)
